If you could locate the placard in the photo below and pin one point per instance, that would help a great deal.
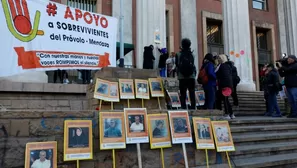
(203, 133)
(78, 140)
(41, 154)
(180, 127)
(223, 137)
(113, 92)
(127, 88)
(45, 35)
(156, 87)
(136, 125)
(101, 90)
(112, 130)
(142, 90)
(174, 99)
(159, 131)
(200, 98)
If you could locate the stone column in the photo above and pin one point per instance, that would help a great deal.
(237, 40)
(189, 25)
(127, 24)
(150, 18)
(290, 11)
(282, 26)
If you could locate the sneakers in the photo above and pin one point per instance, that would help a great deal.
(227, 117)
(232, 116)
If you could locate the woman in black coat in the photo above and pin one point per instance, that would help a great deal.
(148, 57)
(224, 79)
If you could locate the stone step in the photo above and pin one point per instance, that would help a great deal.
(246, 151)
(266, 161)
(261, 120)
(214, 166)
(263, 128)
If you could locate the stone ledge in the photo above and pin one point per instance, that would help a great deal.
(7, 86)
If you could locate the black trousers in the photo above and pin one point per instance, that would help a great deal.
(184, 85)
(227, 105)
(86, 76)
(234, 96)
(61, 74)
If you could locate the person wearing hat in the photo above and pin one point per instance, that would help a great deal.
(272, 88)
(290, 73)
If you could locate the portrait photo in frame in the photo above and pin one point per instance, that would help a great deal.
(101, 90)
(127, 88)
(203, 133)
(112, 130)
(174, 99)
(200, 98)
(223, 137)
(41, 154)
(136, 125)
(142, 89)
(159, 131)
(113, 92)
(180, 127)
(156, 87)
(78, 140)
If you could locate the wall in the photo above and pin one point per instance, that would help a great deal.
(176, 22)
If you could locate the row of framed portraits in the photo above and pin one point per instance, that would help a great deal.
(131, 127)
(128, 89)
(175, 98)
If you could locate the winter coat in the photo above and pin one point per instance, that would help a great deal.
(210, 71)
(162, 61)
(272, 80)
(290, 74)
(224, 76)
(235, 77)
(148, 58)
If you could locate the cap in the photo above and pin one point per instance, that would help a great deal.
(292, 57)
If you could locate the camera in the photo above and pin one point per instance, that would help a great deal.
(283, 60)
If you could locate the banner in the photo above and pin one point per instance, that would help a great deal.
(42, 35)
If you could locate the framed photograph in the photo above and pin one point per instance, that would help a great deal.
(174, 99)
(203, 133)
(113, 92)
(159, 131)
(156, 87)
(141, 89)
(112, 130)
(136, 125)
(223, 137)
(200, 98)
(101, 89)
(41, 154)
(78, 140)
(180, 127)
(127, 88)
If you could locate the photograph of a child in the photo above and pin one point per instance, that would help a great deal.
(102, 88)
(180, 125)
(159, 128)
(41, 158)
(136, 123)
(78, 137)
(112, 128)
(203, 131)
(222, 134)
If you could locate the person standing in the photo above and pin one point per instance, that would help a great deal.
(170, 63)
(186, 71)
(162, 61)
(148, 57)
(236, 81)
(290, 73)
(225, 86)
(263, 75)
(272, 88)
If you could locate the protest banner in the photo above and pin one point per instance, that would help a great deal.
(44, 35)
(203, 133)
(159, 131)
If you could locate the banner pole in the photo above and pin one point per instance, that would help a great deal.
(206, 155)
(113, 158)
(228, 160)
(111, 105)
(142, 102)
(77, 164)
(159, 103)
(185, 155)
(128, 103)
(139, 155)
(100, 104)
(162, 158)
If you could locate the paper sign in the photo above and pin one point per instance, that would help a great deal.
(142, 89)
(200, 98)
(203, 133)
(127, 88)
(223, 137)
(174, 99)
(180, 127)
(156, 87)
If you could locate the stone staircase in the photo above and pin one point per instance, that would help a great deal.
(264, 142)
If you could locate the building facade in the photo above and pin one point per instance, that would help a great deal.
(251, 32)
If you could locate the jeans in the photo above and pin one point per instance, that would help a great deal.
(210, 97)
(272, 103)
(292, 98)
(184, 85)
(163, 72)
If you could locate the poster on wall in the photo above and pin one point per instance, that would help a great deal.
(41, 154)
(126, 88)
(101, 90)
(112, 130)
(200, 98)
(136, 125)
(174, 99)
(78, 140)
(45, 35)
(180, 127)
(113, 92)
(142, 89)
(156, 87)
(223, 137)
(159, 131)
(203, 133)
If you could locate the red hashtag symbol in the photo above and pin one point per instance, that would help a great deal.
(51, 9)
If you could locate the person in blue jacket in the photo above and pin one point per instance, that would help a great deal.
(210, 87)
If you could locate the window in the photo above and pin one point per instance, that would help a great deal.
(260, 4)
(262, 40)
(214, 33)
(87, 5)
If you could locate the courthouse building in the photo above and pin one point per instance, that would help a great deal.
(251, 32)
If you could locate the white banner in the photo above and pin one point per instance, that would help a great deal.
(43, 35)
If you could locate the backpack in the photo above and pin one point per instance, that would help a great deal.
(202, 76)
(186, 64)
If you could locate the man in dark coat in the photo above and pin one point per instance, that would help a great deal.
(148, 57)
